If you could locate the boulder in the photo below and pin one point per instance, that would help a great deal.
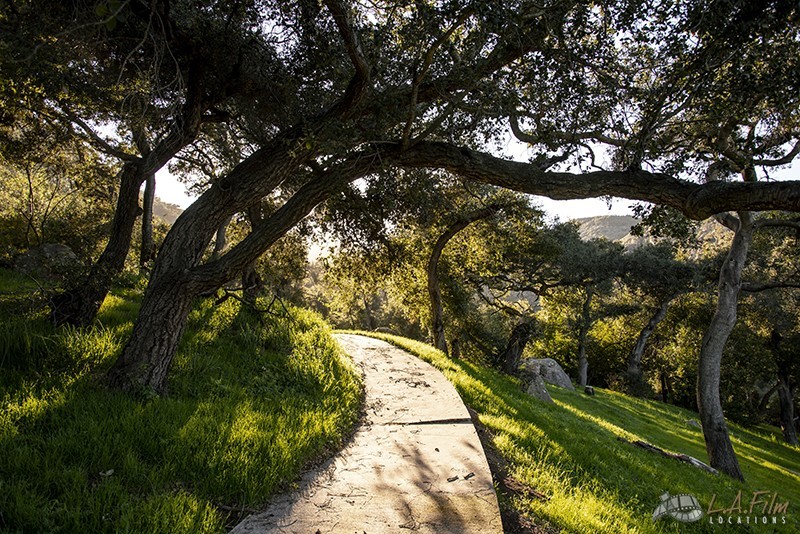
(547, 368)
(536, 388)
(51, 261)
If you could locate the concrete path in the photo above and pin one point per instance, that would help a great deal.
(414, 464)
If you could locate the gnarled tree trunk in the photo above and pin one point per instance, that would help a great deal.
(634, 372)
(178, 277)
(583, 332)
(517, 342)
(715, 431)
(145, 361)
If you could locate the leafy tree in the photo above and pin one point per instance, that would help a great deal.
(657, 278)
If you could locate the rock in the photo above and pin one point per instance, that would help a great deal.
(549, 369)
(692, 422)
(589, 390)
(536, 388)
(51, 261)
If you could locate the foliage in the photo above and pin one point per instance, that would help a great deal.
(571, 452)
(252, 400)
(53, 188)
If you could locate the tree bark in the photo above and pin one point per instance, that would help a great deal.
(715, 431)
(634, 373)
(148, 250)
(434, 287)
(517, 342)
(695, 201)
(583, 332)
(143, 365)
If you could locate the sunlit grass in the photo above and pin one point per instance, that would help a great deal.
(570, 451)
(252, 400)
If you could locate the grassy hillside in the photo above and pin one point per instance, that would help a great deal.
(251, 401)
(594, 482)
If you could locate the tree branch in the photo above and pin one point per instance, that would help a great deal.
(359, 84)
(785, 160)
(95, 139)
(695, 201)
(564, 136)
(756, 287)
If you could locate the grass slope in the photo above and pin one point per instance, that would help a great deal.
(596, 483)
(250, 403)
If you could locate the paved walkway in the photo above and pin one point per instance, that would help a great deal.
(414, 464)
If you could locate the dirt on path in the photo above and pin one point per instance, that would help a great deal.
(415, 463)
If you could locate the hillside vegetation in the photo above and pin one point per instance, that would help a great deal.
(572, 452)
(252, 400)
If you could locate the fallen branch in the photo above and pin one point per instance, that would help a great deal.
(675, 456)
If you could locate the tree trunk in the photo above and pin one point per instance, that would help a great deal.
(79, 306)
(664, 387)
(634, 373)
(583, 332)
(434, 287)
(177, 275)
(455, 349)
(143, 365)
(715, 431)
(517, 342)
(788, 424)
(148, 250)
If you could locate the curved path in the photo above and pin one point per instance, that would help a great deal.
(415, 462)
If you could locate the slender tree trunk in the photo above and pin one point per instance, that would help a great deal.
(434, 287)
(79, 305)
(762, 404)
(788, 424)
(148, 250)
(517, 342)
(634, 373)
(664, 387)
(715, 431)
(583, 332)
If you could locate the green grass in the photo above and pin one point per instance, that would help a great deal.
(250, 405)
(596, 483)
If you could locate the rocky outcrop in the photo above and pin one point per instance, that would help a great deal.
(50, 261)
(536, 388)
(546, 368)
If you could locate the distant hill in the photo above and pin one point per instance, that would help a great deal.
(611, 227)
(165, 211)
(618, 228)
